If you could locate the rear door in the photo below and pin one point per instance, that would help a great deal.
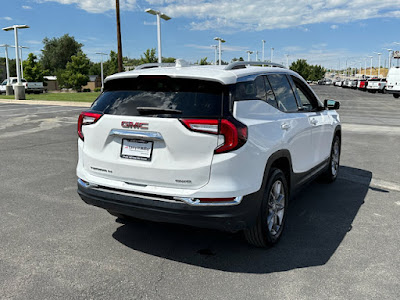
(141, 140)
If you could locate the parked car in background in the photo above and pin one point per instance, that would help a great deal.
(362, 84)
(353, 83)
(30, 87)
(376, 85)
(393, 82)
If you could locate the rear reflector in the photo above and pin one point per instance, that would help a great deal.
(234, 132)
(213, 200)
(87, 118)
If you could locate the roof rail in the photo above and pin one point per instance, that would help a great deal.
(154, 65)
(243, 64)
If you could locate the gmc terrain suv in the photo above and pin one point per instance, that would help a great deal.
(220, 147)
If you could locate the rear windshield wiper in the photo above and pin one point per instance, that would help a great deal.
(157, 111)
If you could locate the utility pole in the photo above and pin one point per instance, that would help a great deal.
(120, 68)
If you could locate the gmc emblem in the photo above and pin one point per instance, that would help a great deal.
(136, 125)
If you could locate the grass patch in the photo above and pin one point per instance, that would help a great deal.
(70, 97)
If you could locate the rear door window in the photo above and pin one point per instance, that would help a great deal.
(285, 98)
(161, 96)
(250, 90)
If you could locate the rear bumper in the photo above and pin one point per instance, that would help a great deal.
(228, 218)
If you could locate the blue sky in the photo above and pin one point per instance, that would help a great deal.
(326, 32)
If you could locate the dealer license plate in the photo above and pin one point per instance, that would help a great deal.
(137, 149)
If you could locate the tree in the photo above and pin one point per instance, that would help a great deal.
(95, 69)
(57, 52)
(111, 65)
(33, 70)
(308, 72)
(302, 67)
(76, 73)
(149, 56)
(168, 59)
(203, 61)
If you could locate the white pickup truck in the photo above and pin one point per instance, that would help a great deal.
(30, 87)
(376, 85)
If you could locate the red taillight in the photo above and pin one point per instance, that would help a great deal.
(233, 131)
(87, 118)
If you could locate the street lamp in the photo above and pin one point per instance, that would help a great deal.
(220, 40)
(101, 67)
(257, 55)
(389, 50)
(272, 54)
(164, 17)
(379, 63)
(365, 67)
(248, 54)
(370, 69)
(19, 89)
(215, 53)
(287, 60)
(263, 46)
(9, 89)
(22, 68)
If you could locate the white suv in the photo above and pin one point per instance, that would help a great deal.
(210, 146)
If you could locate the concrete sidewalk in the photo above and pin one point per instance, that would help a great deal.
(47, 102)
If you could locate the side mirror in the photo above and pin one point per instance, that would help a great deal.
(331, 104)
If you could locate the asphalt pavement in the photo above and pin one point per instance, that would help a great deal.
(341, 242)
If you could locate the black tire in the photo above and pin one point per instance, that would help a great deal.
(396, 96)
(332, 171)
(383, 91)
(264, 233)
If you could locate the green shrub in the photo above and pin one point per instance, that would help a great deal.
(97, 89)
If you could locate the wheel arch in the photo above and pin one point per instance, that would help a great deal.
(282, 160)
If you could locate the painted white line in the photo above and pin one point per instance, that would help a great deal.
(361, 128)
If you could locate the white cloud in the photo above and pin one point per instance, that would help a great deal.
(26, 7)
(98, 6)
(6, 18)
(224, 48)
(253, 15)
(33, 42)
(258, 15)
(334, 27)
(149, 23)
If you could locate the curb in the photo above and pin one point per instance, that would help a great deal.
(47, 102)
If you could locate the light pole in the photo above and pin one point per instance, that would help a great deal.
(365, 67)
(389, 50)
(248, 54)
(9, 89)
(22, 68)
(164, 17)
(370, 69)
(19, 89)
(215, 53)
(287, 60)
(257, 55)
(101, 67)
(220, 40)
(272, 54)
(263, 50)
(379, 63)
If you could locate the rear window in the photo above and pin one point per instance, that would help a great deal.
(161, 96)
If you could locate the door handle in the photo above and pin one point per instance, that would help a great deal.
(313, 121)
(285, 126)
